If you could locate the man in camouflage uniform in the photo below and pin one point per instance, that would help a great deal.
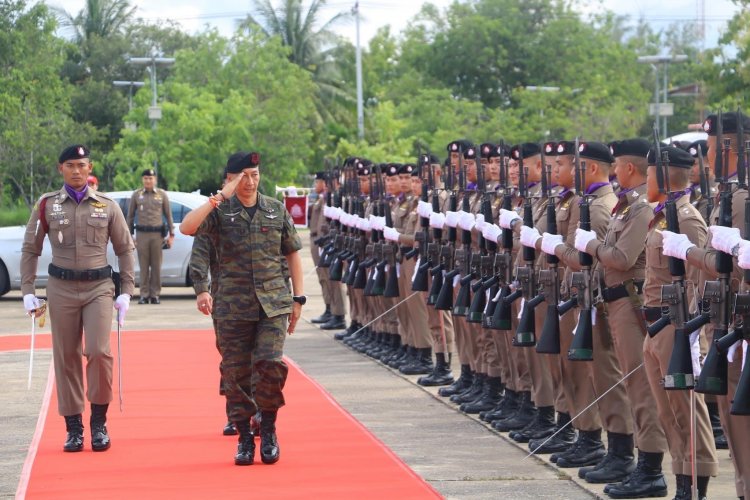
(251, 232)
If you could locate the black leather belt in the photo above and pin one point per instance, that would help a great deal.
(651, 314)
(149, 229)
(620, 291)
(84, 275)
(404, 249)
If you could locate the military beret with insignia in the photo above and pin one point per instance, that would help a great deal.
(363, 171)
(728, 122)
(630, 147)
(407, 168)
(676, 157)
(320, 176)
(565, 148)
(488, 150)
(74, 152)
(459, 145)
(149, 172)
(526, 149)
(470, 153)
(550, 148)
(595, 151)
(393, 169)
(695, 146)
(241, 160)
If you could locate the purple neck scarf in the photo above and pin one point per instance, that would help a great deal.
(76, 195)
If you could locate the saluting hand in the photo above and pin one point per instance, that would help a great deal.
(231, 186)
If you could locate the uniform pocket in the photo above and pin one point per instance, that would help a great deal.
(96, 231)
(62, 233)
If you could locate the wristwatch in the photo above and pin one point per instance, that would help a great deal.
(300, 299)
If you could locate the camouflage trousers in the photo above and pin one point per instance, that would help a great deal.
(252, 371)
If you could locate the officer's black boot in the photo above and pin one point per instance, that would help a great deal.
(588, 450)
(461, 383)
(646, 480)
(491, 397)
(541, 427)
(523, 416)
(353, 327)
(335, 323)
(422, 365)
(323, 318)
(508, 406)
(441, 374)
(99, 436)
(74, 426)
(396, 356)
(269, 445)
(564, 438)
(473, 392)
(719, 438)
(620, 463)
(685, 487)
(245, 444)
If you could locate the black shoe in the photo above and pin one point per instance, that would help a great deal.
(74, 439)
(685, 487)
(269, 444)
(353, 327)
(619, 462)
(441, 374)
(473, 392)
(155, 300)
(229, 429)
(508, 407)
(541, 427)
(335, 323)
(564, 438)
(143, 300)
(245, 444)
(523, 416)
(491, 397)
(461, 384)
(646, 481)
(588, 450)
(422, 365)
(323, 318)
(99, 437)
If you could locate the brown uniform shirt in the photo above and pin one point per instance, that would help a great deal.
(150, 205)
(78, 235)
(317, 220)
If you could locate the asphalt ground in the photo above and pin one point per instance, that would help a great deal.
(460, 456)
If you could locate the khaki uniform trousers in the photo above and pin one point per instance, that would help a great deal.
(149, 261)
(736, 427)
(673, 408)
(81, 309)
(521, 373)
(414, 309)
(441, 327)
(628, 333)
(492, 361)
(543, 389)
(505, 368)
(464, 344)
(577, 384)
(336, 297)
(322, 272)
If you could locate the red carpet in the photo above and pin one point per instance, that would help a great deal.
(167, 441)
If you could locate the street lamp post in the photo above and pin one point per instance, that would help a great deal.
(661, 109)
(130, 85)
(154, 111)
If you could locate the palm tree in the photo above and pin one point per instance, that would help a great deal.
(312, 48)
(102, 18)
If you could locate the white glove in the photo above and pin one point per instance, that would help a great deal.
(583, 238)
(451, 218)
(336, 213)
(507, 217)
(724, 239)
(437, 220)
(374, 222)
(424, 209)
(381, 222)
(743, 257)
(364, 225)
(550, 242)
(491, 232)
(30, 302)
(466, 221)
(122, 304)
(675, 245)
(390, 234)
(327, 211)
(480, 222)
(529, 236)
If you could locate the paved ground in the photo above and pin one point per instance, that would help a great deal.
(459, 455)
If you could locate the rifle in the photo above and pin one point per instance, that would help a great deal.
(713, 378)
(464, 255)
(389, 253)
(482, 261)
(741, 403)
(419, 284)
(435, 248)
(501, 319)
(582, 347)
(444, 300)
(376, 280)
(705, 184)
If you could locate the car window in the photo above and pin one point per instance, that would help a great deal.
(178, 211)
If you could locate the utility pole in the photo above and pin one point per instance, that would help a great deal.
(661, 110)
(130, 85)
(360, 107)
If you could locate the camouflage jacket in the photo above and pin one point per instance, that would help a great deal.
(250, 254)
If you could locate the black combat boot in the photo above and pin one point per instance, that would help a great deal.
(407, 357)
(685, 487)
(565, 436)
(396, 357)
(229, 429)
(541, 427)
(269, 445)
(422, 365)
(441, 374)
(507, 407)
(99, 436)
(520, 419)
(646, 480)
(380, 346)
(619, 462)
(74, 426)
(461, 384)
(353, 327)
(474, 392)
(491, 397)
(720, 439)
(357, 335)
(335, 323)
(245, 444)
(587, 450)
(323, 318)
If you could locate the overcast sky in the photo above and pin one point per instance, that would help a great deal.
(193, 15)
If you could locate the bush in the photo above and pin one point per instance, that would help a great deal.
(14, 216)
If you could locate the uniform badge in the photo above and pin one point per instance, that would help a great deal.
(636, 194)
(60, 237)
(99, 205)
(56, 207)
(663, 224)
(268, 216)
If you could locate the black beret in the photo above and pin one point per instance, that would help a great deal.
(677, 157)
(470, 153)
(565, 148)
(630, 147)
(406, 168)
(74, 152)
(550, 148)
(432, 159)
(488, 150)
(728, 123)
(459, 145)
(363, 171)
(415, 172)
(693, 148)
(320, 176)
(392, 169)
(527, 149)
(503, 150)
(595, 151)
(148, 171)
(241, 160)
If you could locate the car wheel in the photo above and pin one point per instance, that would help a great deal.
(4, 280)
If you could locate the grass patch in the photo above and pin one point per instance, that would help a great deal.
(14, 216)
